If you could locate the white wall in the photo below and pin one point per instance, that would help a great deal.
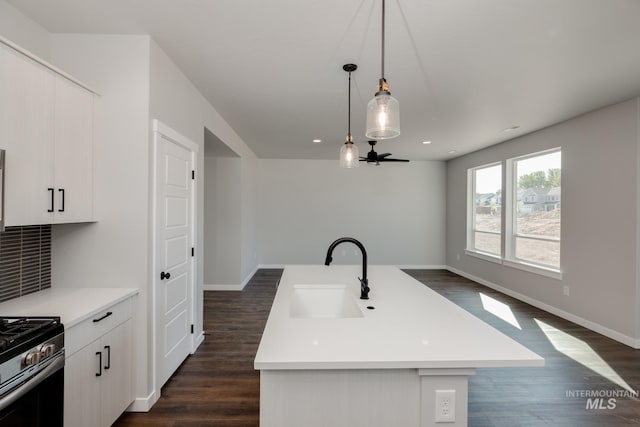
(223, 221)
(396, 211)
(23, 31)
(600, 191)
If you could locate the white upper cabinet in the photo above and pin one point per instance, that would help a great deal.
(46, 128)
(73, 152)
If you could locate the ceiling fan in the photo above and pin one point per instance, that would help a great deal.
(373, 157)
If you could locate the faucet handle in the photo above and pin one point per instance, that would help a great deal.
(364, 288)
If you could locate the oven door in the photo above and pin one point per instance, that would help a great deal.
(37, 402)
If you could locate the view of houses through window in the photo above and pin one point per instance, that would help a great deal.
(529, 227)
(487, 224)
(536, 220)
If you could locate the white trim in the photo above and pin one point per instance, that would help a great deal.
(45, 64)
(161, 130)
(603, 330)
(484, 256)
(143, 404)
(249, 276)
(223, 287)
(531, 268)
(422, 267)
(167, 132)
(239, 287)
(400, 266)
(197, 341)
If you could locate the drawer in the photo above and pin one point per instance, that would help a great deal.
(89, 330)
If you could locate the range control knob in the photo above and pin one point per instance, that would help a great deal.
(32, 358)
(47, 350)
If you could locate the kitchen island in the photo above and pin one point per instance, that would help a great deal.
(328, 358)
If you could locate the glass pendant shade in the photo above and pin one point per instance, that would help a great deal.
(349, 155)
(383, 117)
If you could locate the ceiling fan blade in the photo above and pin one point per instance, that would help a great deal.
(394, 160)
(380, 156)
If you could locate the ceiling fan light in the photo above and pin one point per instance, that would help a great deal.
(349, 155)
(383, 117)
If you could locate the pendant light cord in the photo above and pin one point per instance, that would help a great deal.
(349, 115)
(382, 66)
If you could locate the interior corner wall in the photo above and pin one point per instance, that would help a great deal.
(396, 211)
(249, 194)
(599, 214)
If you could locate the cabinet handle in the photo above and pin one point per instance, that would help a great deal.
(61, 190)
(164, 275)
(50, 190)
(109, 313)
(99, 354)
(108, 348)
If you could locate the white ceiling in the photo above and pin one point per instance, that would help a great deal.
(462, 70)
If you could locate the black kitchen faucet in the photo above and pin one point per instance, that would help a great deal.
(364, 282)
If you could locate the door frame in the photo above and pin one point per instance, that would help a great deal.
(159, 131)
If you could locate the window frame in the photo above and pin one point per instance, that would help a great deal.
(470, 248)
(508, 219)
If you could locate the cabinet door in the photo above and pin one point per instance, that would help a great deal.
(117, 387)
(26, 129)
(82, 388)
(73, 166)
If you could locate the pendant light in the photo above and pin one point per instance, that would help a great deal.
(383, 111)
(349, 155)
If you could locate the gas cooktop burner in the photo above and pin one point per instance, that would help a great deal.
(15, 330)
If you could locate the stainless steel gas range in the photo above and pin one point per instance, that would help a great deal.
(31, 371)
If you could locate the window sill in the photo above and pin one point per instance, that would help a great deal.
(484, 255)
(520, 265)
(536, 269)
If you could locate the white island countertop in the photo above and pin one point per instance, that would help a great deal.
(411, 327)
(72, 305)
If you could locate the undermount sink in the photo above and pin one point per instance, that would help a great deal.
(323, 301)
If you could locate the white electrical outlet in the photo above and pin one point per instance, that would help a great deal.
(566, 290)
(445, 406)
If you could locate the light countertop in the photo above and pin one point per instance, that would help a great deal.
(73, 305)
(411, 327)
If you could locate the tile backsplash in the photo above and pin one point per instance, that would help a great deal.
(25, 260)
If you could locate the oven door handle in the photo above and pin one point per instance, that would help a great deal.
(31, 383)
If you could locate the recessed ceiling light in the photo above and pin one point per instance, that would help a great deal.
(426, 142)
(511, 129)
(452, 152)
(317, 141)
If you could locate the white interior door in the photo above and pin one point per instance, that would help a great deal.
(174, 281)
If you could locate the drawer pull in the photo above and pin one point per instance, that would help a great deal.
(99, 354)
(109, 313)
(108, 365)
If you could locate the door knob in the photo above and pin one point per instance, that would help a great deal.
(164, 275)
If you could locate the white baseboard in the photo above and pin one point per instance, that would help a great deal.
(223, 287)
(422, 267)
(143, 404)
(198, 340)
(603, 330)
(406, 267)
(238, 287)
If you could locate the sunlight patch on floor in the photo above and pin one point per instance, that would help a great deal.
(499, 309)
(582, 353)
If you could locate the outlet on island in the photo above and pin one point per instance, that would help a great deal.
(445, 406)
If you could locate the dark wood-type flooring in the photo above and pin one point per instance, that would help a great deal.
(217, 386)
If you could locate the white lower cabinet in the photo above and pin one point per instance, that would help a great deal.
(98, 374)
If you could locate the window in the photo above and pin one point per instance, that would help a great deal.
(527, 234)
(535, 209)
(486, 208)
